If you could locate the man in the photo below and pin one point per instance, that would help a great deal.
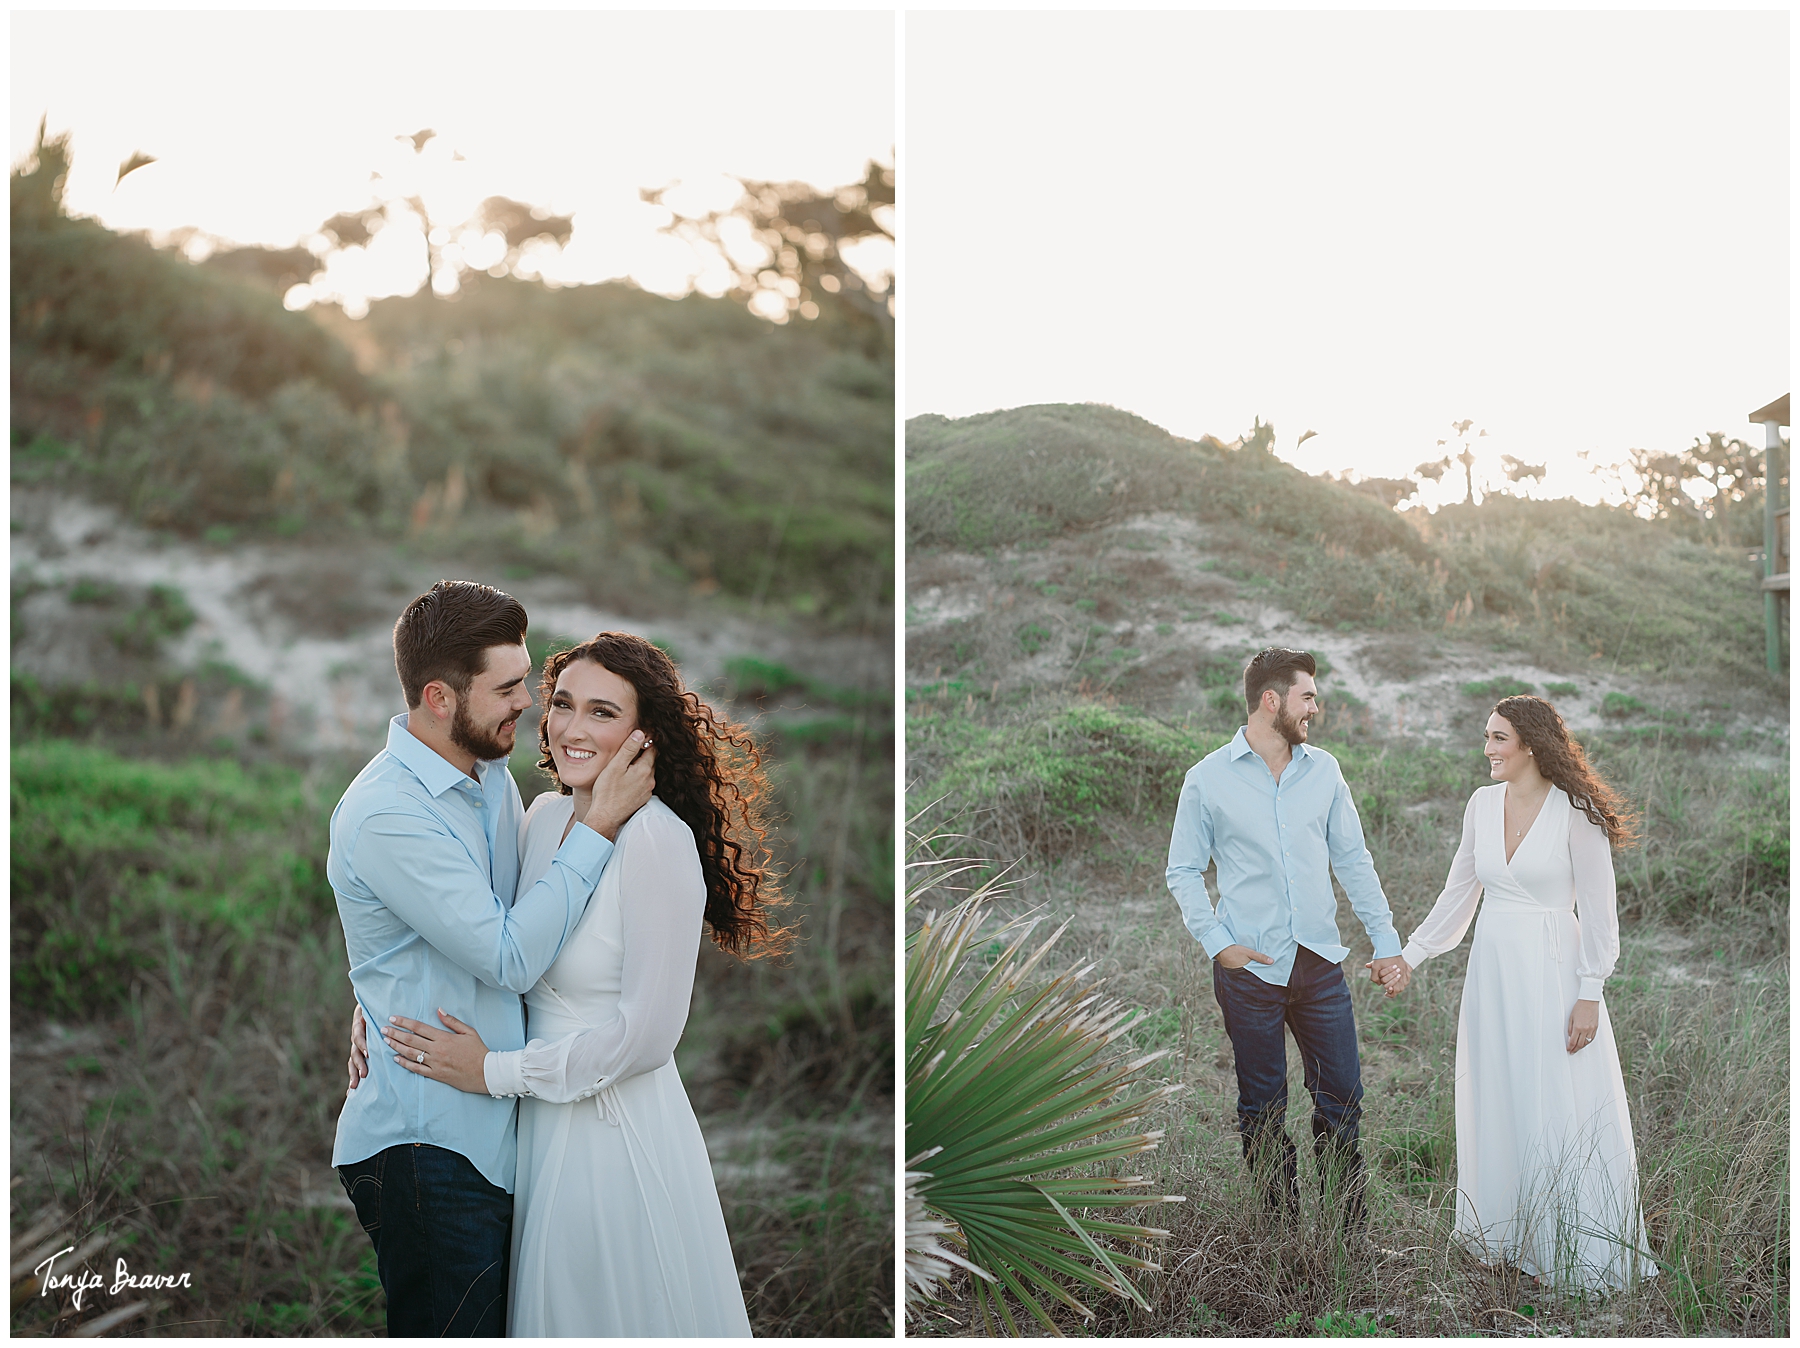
(424, 862)
(1276, 816)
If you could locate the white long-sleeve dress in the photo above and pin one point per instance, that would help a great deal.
(617, 1230)
(1546, 1169)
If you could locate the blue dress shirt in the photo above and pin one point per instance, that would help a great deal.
(425, 861)
(1277, 845)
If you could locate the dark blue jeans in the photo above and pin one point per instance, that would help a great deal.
(442, 1235)
(1315, 1005)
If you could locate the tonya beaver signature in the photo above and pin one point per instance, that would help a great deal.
(85, 1280)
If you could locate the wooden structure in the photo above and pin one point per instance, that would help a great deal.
(1776, 550)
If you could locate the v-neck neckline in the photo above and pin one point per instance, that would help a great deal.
(1526, 836)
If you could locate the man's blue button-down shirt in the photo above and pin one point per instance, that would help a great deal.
(425, 861)
(1277, 845)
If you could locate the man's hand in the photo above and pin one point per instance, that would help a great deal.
(623, 786)
(359, 1047)
(1392, 972)
(1584, 1024)
(1237, 956)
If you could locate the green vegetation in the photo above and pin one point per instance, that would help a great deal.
(162, 615)
(1493, 690)
(1554, 580)
(1010, 1087)
(690, 444)
(107, 852)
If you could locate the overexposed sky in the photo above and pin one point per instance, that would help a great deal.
(1571, 229)
(265, 124)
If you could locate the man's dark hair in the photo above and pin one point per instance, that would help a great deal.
(1275, 667)
(445, 633)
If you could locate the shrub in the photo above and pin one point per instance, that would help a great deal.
(104, 848)
(1495, 689)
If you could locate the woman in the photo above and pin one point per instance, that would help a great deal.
(1546, 1167)
(617, 1230)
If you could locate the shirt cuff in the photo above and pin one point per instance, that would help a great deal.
(585, 851)
(1414, 954)
(504, 1073)
(1217, 938)
(1387, 944)
(1591, 989)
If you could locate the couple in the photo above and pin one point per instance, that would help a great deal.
(1546, 1168)
(455, 901)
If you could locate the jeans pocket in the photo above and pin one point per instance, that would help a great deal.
(363, 1184)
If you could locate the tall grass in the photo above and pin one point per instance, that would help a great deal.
(1083, 793)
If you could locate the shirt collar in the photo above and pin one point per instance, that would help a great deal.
(435, 772)
(1240, 745)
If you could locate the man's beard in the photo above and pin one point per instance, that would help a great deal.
(472, 739)
(1292, 728)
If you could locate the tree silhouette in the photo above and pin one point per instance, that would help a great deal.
(518, 224)
(1730, 467)
(802, 234)
(1517, 470)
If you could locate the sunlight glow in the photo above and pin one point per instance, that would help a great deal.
(575, 122)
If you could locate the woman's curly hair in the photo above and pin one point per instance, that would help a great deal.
(1560, 758)
(708, 771)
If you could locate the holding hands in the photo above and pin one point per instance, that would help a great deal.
(1392, 972)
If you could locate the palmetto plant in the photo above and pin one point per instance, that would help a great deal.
(1014, 1102)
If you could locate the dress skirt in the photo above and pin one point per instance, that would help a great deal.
(617, 1230)
(1546, 1165)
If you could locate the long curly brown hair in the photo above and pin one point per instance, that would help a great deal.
(709, 772)
(1560, 758)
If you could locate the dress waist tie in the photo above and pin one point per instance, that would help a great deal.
(1504, 905)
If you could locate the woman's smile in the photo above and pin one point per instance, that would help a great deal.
(591, 713)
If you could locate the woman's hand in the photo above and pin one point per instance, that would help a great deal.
(1584, 1024)
(453, 1056)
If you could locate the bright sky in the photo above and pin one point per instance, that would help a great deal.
(266, 124)
(1571, 229)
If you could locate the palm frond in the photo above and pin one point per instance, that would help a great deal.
(1015, 1096)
